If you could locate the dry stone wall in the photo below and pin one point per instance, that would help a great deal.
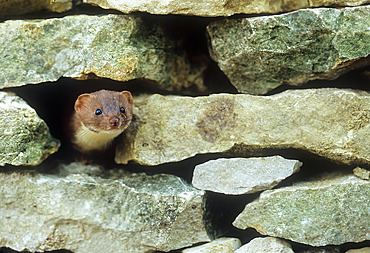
(224, 153)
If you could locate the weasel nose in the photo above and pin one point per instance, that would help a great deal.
(114, 121)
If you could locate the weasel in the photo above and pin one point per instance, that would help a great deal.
(98, 118)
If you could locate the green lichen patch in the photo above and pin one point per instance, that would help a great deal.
(327, 211)
(24, 137)
(119, 47)
(260, 54)
(76, 208)
(331, 123)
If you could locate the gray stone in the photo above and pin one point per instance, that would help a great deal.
(259, 54)
(121, 212)
(331, 210)
(221, 245)
(211, 8)
(19, 7)
(24, 137)
(119, 47)
(327, 249)
(266, 244)
(243, 175)
(332, 123)
(361, 173)
(362, 250)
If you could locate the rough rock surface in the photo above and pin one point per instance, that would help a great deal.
(221, 245)
(259, 54)
(83, 47)
(327, 211)
(24, 137)
(332, 123)
(243, 175)
(327, 249)
(361, 173)
(88, 213)
(211, 8)
(19, 7)
(266, 244)
(362, 250)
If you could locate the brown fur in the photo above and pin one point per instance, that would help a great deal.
(91, 132)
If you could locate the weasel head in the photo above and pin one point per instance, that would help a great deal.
(105, 111)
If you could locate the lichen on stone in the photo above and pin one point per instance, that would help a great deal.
(24, 137)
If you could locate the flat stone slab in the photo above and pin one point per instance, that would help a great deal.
(221, 245)
(212, 8)
(329, 211)
(331, 123)
(19, 7)
(24, 137)
(266, 244)
(362, 250)
(361, 173)
(84, 47)
(243, 175)
(259, 54)
(80, 211)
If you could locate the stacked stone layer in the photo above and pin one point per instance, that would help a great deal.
(87, 208)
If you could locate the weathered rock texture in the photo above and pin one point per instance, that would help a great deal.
(327, 249)
(19, 7)
(24, 137)
(210, 8)
(221, 245)
(86, 213)
(259, 54)
(326, 211)
(363, 250)
(332, 123)
(266, 244)
(361, 173)
(243, 175)
(118, 47)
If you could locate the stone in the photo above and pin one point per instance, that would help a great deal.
(266, 244)
(362, 250)
(327, 249)
(331, 210)
(322, 250)
(24, 137)
(243, 175)
(84, 47)
(221, 245)
(331, 123)
(213, 8)
(99, 211)
(361, 173)
(19, 7)
(261, 53)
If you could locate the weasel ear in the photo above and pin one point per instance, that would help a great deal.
(127, 96)
(81, 101)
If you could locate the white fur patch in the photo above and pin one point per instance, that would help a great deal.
(89, 140)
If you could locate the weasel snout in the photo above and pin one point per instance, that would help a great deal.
(114, 122)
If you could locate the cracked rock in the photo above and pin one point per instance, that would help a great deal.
(331, 123)
(24, 137)
(221, 245)
(213, 8)
(82, 213)
(259, 54)
(266, 244)
(19, 7)
(243, 175)
(83, 47)
(329, 211)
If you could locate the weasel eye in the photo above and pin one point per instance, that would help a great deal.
(122, 110)
(98, 112)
